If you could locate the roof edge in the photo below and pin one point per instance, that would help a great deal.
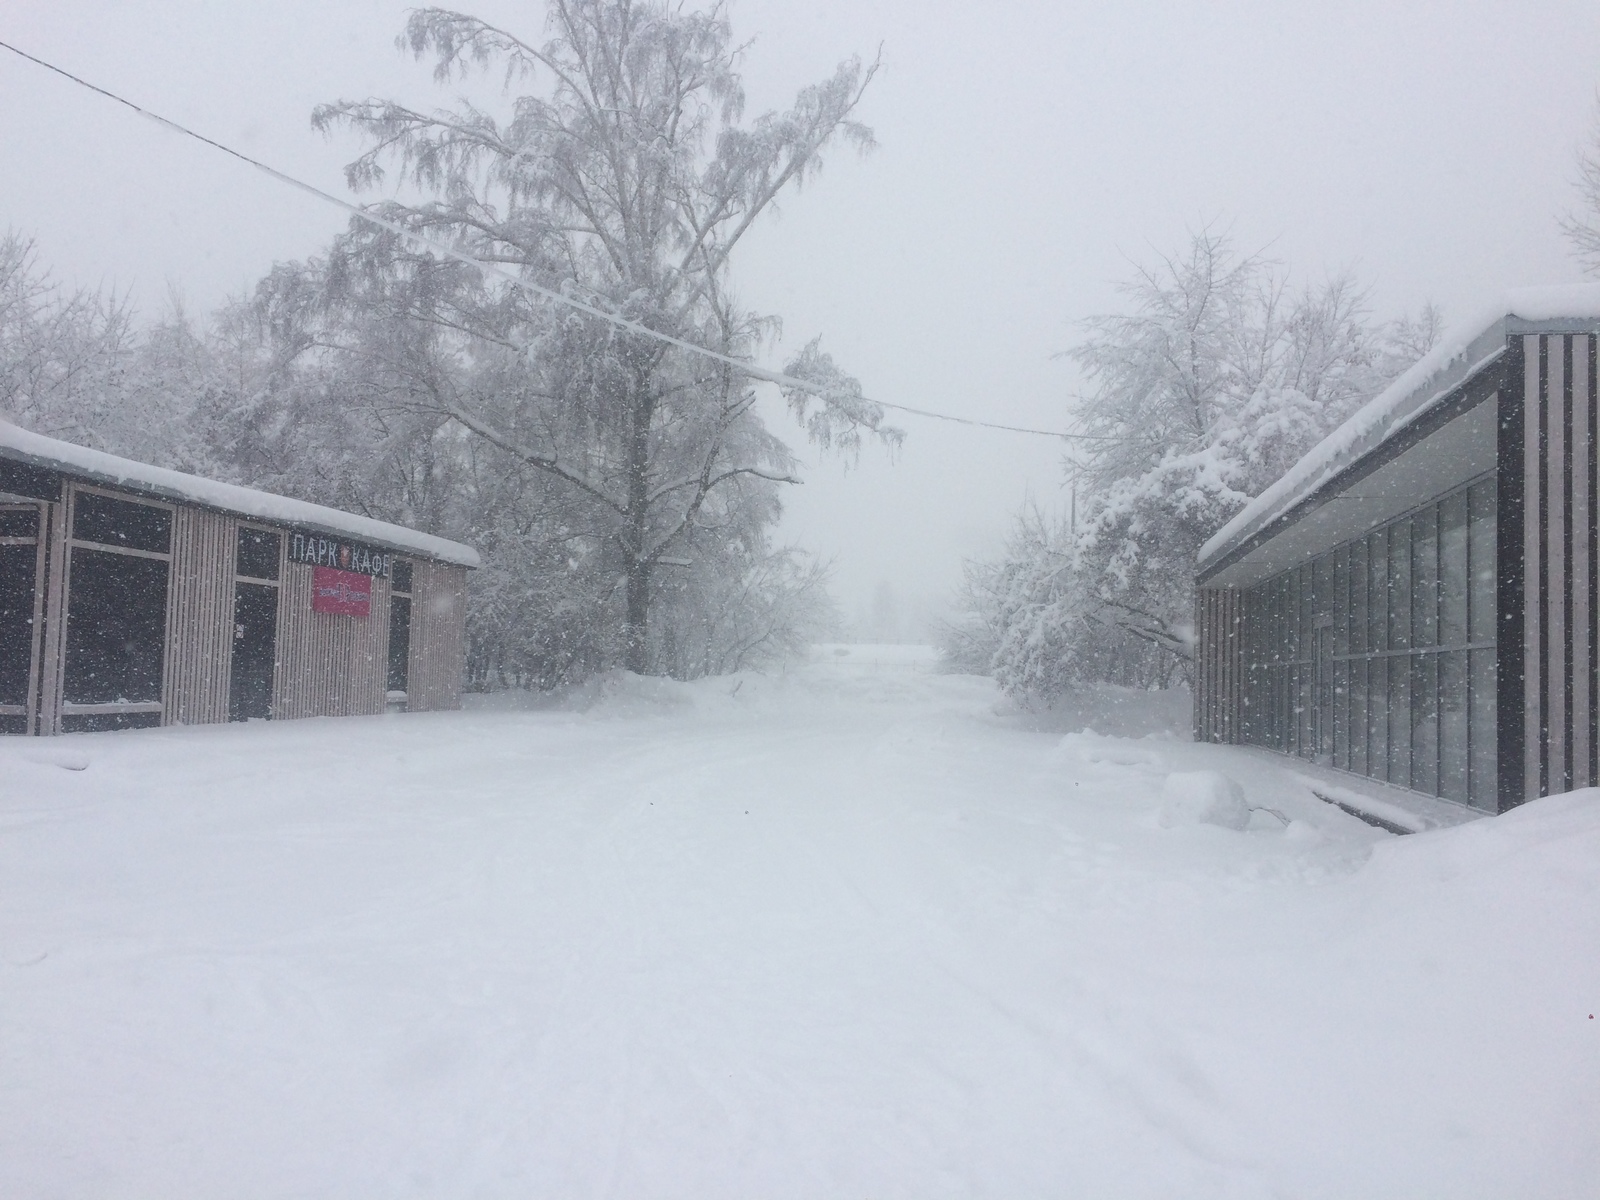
(80, 462)
(1426, 383)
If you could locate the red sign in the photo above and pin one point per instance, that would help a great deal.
(345, 593)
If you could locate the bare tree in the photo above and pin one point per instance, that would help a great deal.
(1582, 228)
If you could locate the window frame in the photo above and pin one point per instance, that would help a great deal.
(71, 543)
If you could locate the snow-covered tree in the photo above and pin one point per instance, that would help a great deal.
(63, 352)
(1582, 227)
(1211, 382)
(625, 176)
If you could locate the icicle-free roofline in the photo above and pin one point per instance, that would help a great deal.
(80, 462)
(1428, 381)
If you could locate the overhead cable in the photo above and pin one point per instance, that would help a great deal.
(791, 382)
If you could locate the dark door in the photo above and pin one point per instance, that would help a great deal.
(255, 625)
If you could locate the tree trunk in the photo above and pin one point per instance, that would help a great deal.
(636, 631)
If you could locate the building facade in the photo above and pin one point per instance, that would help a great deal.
(1417, 600)
(132, 596)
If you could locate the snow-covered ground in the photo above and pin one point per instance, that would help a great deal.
(852, 931)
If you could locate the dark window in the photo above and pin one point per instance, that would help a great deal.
(1453, 577)
(399, 642)
(116, 628)
(1480, 558)
(17, 567)
(113, 522)
(36, 483)
(19, 522)
(400, 575)
(1362, 653)
(258, 553)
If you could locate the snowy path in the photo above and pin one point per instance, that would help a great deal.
(847, 933)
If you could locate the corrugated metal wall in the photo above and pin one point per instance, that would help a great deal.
(438, 637)
(1219, 665)
(199, 618)
(328, 666)
(1560, 583)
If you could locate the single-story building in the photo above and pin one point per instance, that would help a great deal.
(1417, 599)
(135, 596)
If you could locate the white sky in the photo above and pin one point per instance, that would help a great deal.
(1028, 151)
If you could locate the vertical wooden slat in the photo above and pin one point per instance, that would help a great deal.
(438, 637)
(1219, 681)
(326, 665)
(55, 648)
(1556, 478)
(1578, 578)
(199, 650)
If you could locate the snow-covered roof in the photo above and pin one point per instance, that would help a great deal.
(1430, 380)
(20, 445)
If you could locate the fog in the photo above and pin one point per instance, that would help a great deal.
(1029, 153)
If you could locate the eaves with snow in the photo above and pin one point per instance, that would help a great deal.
(94, 466)
(1436, 404)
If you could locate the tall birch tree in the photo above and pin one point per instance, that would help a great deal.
(624, 174)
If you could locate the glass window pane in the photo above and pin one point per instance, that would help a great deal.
(116, 627)
(114, 522)
(1400, 721)
(1480, 558)
(399, 642)
(1358, 597)
(1358, 715)
(257, 556)
(1341, 715)
(1424, 577)
(1483, 785)
(19, 522)
(1453, 725)
(1338, 606)
(18, 566)
(1425, 723)
(400, 575)
(1378, 591)
(1378, 718)
(1453, 570)
(1399, 595)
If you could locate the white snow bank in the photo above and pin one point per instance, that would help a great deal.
(839, 932)
(22, 445)
(1115, 711)
(1412, 394)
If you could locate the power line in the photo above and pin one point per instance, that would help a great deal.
(777, 377)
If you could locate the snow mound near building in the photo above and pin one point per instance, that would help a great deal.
(1202, 798)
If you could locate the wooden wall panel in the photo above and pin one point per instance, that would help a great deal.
(54, 650)
(1561, 575)
(199, 650)
(328, 666)
(1219, 664)
(438, 637)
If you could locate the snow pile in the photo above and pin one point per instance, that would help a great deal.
(846, 931)
(1203, 798)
